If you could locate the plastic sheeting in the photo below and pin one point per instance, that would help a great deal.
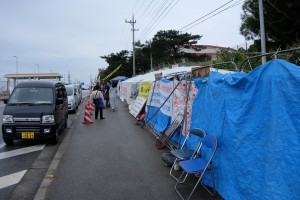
(256, 118)
(159, 121)
(160, 117)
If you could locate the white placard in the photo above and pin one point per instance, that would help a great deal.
(137, 106)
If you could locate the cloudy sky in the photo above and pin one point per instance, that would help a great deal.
(68, 36)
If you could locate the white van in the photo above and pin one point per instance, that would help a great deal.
(73, 97)
(78, 86)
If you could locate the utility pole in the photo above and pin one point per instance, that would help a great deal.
(132, 22)
(262, 30)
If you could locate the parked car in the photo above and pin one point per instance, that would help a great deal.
(79, 92)
(85, 87)
(35, 110)
(73, 97)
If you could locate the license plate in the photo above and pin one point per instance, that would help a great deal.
(27, 135)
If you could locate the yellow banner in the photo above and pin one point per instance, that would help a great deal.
(109, 75)
(144, 89)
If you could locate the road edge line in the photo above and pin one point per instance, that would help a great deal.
(50, 174)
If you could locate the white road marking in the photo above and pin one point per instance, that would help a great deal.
(2, 145)
(17, 152)
(11, 179)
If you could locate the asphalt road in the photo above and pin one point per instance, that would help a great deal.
(112, 159)
(24, 164)
(109, 159)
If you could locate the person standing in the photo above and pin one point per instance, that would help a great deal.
(96, 86)
(98, 97)
(106, 94)
(102, 87)
(113, 92)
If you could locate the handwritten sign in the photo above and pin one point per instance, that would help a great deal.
(162, 90)
(180, 101)
(137, 106)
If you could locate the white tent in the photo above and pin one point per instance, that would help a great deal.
(130, 84)
(127, 86)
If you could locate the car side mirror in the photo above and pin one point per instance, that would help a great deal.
(5, 100)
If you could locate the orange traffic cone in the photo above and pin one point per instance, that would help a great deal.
(87, 107)
(87, 117)
(91, 105)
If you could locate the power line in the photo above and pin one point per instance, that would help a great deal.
(235, 4)
(135, 5)
(161, 19)
(155, 14)
(148, 11)
(157, 18)
(137, 12)
(159, 12)
(122, 37)
(127, 43)
(132, 9)
(206, 15)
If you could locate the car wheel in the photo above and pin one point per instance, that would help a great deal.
(54, 139)
(74, 110)
(66, 122)
(8, 141)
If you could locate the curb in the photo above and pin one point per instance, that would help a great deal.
(50, 174)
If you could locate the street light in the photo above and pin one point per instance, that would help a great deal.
(16, 67)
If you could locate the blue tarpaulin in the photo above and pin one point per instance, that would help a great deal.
(159, 121)
(256, 118)
(159, 118)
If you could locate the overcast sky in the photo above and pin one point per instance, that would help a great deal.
(68, 36)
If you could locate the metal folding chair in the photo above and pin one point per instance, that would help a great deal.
(199, 166)
(165, 137)
(185, 153)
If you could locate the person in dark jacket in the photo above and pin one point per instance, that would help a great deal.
(97, 94)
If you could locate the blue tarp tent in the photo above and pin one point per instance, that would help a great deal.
(256, 118)
(159, 121)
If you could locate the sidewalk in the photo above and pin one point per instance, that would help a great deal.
(112, 159)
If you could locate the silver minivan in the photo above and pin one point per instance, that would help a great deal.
(73, 97)
(78, 86)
